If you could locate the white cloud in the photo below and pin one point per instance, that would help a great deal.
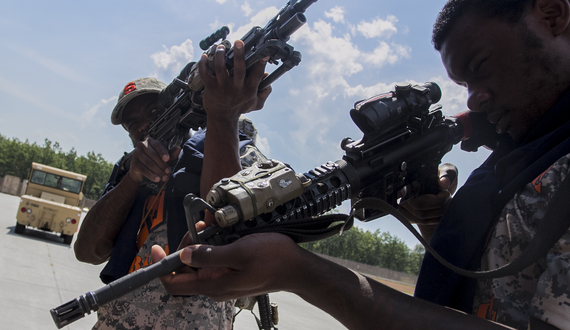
(378, 27)
(386, 54)
(215, 25)
(90, 118)
(246, 9)
(334, 57)
(336, 13)
(313, 123)
(453, 96)
(337, 54)
(173, 59)
(294, 92)
(263, 144)
(363, 92)
(330, 59)
(259, 19)
(221, 2)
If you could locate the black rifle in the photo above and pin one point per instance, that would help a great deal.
(182, 101)
(405, 138)
(182, 98)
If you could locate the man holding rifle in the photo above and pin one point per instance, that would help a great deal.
(130, 217)
(512, 56)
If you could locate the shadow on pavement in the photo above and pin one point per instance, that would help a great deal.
(38, 235)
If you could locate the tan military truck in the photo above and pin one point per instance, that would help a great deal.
(52, 201)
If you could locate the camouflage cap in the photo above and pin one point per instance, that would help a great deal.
(133, 89)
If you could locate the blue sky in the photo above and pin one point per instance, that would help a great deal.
(63, 63)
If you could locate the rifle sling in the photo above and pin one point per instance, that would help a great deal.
(307, 229)
(554, 224)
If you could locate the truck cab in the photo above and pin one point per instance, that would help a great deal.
(52, 201)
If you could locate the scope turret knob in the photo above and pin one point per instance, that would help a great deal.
(403, 90)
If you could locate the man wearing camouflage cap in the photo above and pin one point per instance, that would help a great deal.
(131, 217)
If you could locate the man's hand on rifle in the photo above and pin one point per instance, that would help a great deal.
(150, 160)
(426, 210)
(227, 96)
(253, 265)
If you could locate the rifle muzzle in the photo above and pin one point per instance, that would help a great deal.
(74, 310)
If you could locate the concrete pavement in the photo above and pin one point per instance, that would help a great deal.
(38, 272)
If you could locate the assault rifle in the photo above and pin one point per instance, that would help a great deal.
(405, 138)
(182, 98)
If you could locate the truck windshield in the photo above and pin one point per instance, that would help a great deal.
(56, 181)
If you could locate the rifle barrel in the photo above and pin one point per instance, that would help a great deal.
(292, 25)
(77, 308)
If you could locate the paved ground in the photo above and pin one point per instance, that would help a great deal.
(38, 272)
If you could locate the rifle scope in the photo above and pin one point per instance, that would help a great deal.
(381, 113)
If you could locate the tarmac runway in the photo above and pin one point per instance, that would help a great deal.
(38, 272)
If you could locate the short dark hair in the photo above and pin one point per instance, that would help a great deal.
(506, 10)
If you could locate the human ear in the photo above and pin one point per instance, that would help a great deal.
(555, 13)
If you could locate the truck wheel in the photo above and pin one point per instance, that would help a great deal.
(67, 239)
(19, 228)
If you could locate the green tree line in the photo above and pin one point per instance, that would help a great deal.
(16, 159)
(375, 249)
